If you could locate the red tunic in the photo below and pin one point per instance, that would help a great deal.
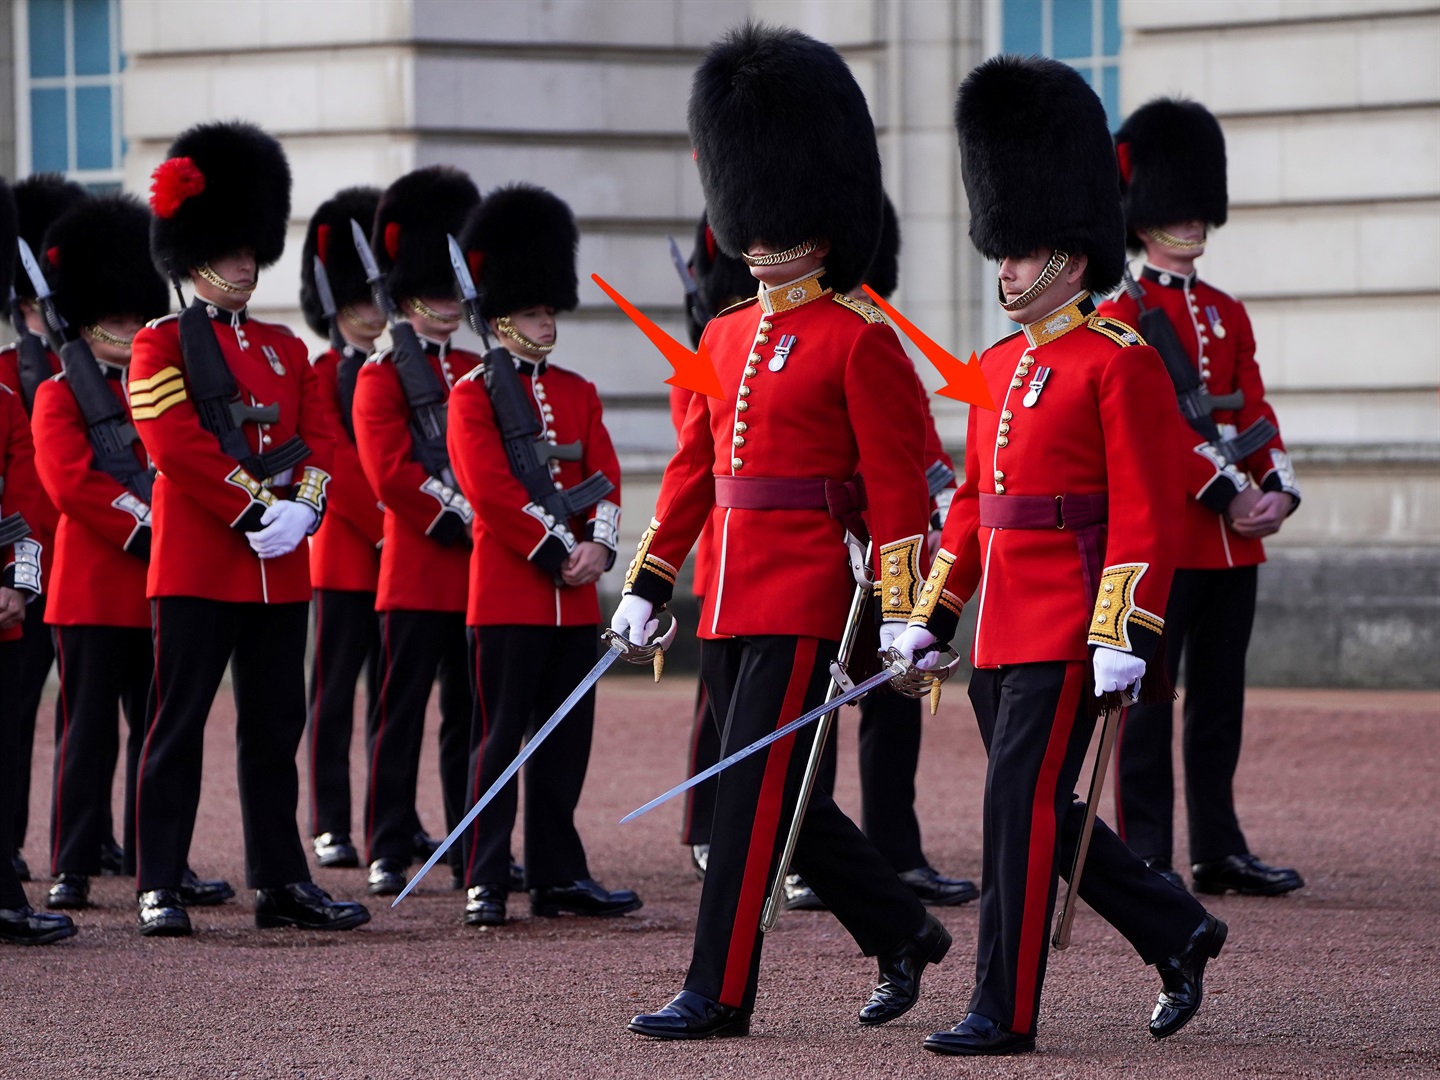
(1215, 331)
(44, 519)
(95, 580)
(679, 406)
(21, 494)
(10, 366)
(830, 393)
(1092, 429)
(345, 550)
(204, 500)
(517, 554)
(417, 571)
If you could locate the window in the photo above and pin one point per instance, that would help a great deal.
(1083, 33)
(68, 68)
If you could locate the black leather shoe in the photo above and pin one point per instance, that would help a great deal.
(387, 877)
(691, 1016)
(196, 892)
(1161, 865)
(1182, 977)
(485, 906)
(517, 877)
(162, 914)
(800, 897)
(424, 846)
(306, 905)
(22, 868)
(977, 1036)
(1246, 875)
(335, 849)
(900, 972)
(26, 926)
(935, 889)
(112, 857)
(699, 859)
(584, 897)
(70, 892)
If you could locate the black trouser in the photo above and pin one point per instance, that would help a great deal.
(704, 752)
(347, 642)
(1033, 721)
(12, 893)
(522, 674)
(756, 684)
(103, 670)
(415, 647)
(37, 653)
(1207, 620)
(264, 644)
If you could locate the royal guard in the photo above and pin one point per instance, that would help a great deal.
(1239, 488)
(1075, 467)
(808, 376)
(399, 420)
(345, 551)
(547, 519)
(229, 412)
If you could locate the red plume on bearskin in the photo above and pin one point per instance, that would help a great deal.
(415, 214)
(328, 236)
(173, 181)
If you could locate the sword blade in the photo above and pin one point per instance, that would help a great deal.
(322, 288)
(510, 770)
(32, 271)
(859, 690)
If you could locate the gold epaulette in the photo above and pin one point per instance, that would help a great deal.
(869, 312)
(1117, 331)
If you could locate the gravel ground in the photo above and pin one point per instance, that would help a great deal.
(1338, 979)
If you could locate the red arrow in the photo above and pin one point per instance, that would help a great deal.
(963, 382)
(693, 370)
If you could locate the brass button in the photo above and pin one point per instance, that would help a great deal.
(1100, 619)
(894, 558)
(999, 475)
(744, 391)
(1015, 384)
(893, 571)
(1004, 429)
(736, 463)
(754, 358)
(929, 587)
(1105, 604)
(764, 325)
(739, 440)
(741, 406)
(999, 489)
(1007, 415)
(751, 372)
(1002, 442)
(894, 601)
(741, 428)
(763, 339)
(1109, 586)
(894, 590)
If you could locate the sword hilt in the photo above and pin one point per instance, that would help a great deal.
(651, 653)
(913, 681)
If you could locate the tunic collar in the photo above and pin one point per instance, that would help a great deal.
(793, 294)
(1168, 279)
(1069, 316)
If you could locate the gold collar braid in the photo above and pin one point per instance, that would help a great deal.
(425, 311)
(365, 325)
(506, 327)
(1169, 240)
(203, 271)
(799, 251)
(1057, 262)
(105, 337)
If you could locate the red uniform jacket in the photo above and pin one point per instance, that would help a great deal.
(518, 548)
(1215, 331)
(20, 493)
(102, 546)
(44, 519)
(204, 501)
(345, 550)
(1091, 429)
(679, 406)
(816, 386)
(425, 558)
(10, 366)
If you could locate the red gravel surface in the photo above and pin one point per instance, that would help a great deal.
(1340, 979)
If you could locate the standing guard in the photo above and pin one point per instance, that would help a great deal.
(399, 420)
(774, 464)
(228, 410)
(1078, 467)
(1172, 163)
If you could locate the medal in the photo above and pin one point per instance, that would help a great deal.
(1213, 314)
(782, 352)
(274, 358)
(1036, 385)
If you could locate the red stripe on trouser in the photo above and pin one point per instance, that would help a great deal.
(379, 737)
(1040, 867)
(479, 758)
(319, 708)
(150, 734)
(756, 881)
(62, 748)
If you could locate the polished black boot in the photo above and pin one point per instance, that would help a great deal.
(196, 892)
(1161, 865)
(1246, 875)
(934, 889)
(690, 1016)
(978, 1036)
(800, 897)
(517, 877)
(25, 926)
(1182, 977)
(71, 892)
(162, 914)
(307, 906)
(386, 877)
(485, 906)
(22, 868)
(335, 850)
(583, 897)
(900, 971)
(699, 859)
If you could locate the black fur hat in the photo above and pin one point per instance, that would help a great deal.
(1039, 166)
(786, 148)
(222, 187)
(9, 230)
(884, 273)
(328, 235)
(521, 244)
(720, 279)
(1172, 165)
(39, 200)
(97, 262)
(415, 214)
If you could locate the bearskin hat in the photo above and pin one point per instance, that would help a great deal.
(98, 263)
(222, 187)
(786, 148)
(1172, 166)
(720, 279)
(328, 236)
(521, 243)
(9, 230)
(39, 200)
(1038, 165)
(884, 273)
(415, 214)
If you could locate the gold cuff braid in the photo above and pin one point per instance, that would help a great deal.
(897, 577)
(645, 561)
(1115, 608)
(933, 594)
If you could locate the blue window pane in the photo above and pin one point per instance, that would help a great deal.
(1110, 94)
(92, 37)
(1020, 26)
(1072, 22)
(49, 141)
(47, 38)
(94, 133)
(1110, 27)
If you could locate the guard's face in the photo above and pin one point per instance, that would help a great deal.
(1019, 272)
(238, 268)
(122, 326)
(536, 322)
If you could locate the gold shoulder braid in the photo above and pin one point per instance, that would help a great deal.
(1117, 331)
(869, 312)
(897, 577)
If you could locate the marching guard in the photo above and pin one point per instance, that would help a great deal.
(228, 410)
(1172, 165)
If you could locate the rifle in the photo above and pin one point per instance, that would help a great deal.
(350, 357)
(698, 311)
(33, 363)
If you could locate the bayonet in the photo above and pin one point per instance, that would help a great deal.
(57, 329)
(373, 276)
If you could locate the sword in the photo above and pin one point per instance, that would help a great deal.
(56, 326)
(652, 653)
(327, 304)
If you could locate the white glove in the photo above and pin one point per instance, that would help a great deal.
(912, 640)
(889, 631)
(286, 524)
(635, 619)
(1116, 670)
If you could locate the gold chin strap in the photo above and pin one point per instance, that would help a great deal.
(1057, 262)
(204, 272)
(799, 251)
(1160, 236)
(506, 327)
(105, 337)
(367, 326)
(425, 311)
